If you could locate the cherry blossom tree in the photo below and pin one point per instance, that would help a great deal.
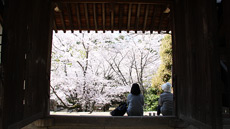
(99, 68)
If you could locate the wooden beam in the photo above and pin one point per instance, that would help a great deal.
(1, 20)
(129, 17)
(54, 25)
(169, 23)
(112, 16)
(137, 18)
(86, 16)
(54, 20)
(117, 1)
(146, 18)
(95, 16)
(161, 18)
(152, 21)
(70, 16)
(121, 8)
(111, 122)
(78, 17)
(103, 16)
(62, 18)
(26, 121)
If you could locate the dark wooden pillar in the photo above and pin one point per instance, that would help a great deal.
(224, 39)
(26, 61)
(197, 63)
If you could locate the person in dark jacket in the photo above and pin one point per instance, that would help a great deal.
(135, 101)
(165, 102)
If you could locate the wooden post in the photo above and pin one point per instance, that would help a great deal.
(26, 54)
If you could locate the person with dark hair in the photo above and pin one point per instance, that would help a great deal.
(135, 101)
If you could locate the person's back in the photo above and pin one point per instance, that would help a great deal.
(166, 102)
(135, 105)
(135, 101)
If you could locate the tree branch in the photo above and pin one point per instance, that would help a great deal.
(58, 96)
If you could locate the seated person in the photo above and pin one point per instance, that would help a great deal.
(135, 101)
(165, 101)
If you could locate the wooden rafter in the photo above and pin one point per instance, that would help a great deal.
(129, 17)
(70, 16)
(161, 20)
(1, 20)
(55, 25)
(103, 16)
(87, 17)
(112, 16)
(116, 1)
(152, 20)
(95, 16)
(169, 23)
(120, 17)
(146, 17)
(62, 18)
(137, 18)
(54, 19)
(78, 17)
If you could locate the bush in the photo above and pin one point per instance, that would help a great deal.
(151, 99)
(163, 75)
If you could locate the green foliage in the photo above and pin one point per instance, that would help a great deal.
(109, 42)
(151, 99)
(163, 75)
(70, 64)
(82, 54)
(164, 72)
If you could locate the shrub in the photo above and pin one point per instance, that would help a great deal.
(163, 75)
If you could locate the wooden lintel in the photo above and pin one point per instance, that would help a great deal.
(129, 17)
(112, 16)
(70, 16)
(78, 17)
(137, 18)
(160, 21)
(86, 16)
(95, 17)
(120, 17)
(146, 17)
(62, 17)
(103, 16)
(117, 1)
(152, 20)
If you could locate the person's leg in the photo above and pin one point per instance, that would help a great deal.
(158, 110)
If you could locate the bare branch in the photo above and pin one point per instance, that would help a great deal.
(58, 96)
(81, 65)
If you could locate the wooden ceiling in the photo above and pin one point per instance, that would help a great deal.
(112, 15)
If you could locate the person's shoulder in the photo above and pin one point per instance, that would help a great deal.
(169, 93)
(165, 93)
(129, 95)
(141, 95)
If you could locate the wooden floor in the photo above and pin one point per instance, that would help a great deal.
(226, 123)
